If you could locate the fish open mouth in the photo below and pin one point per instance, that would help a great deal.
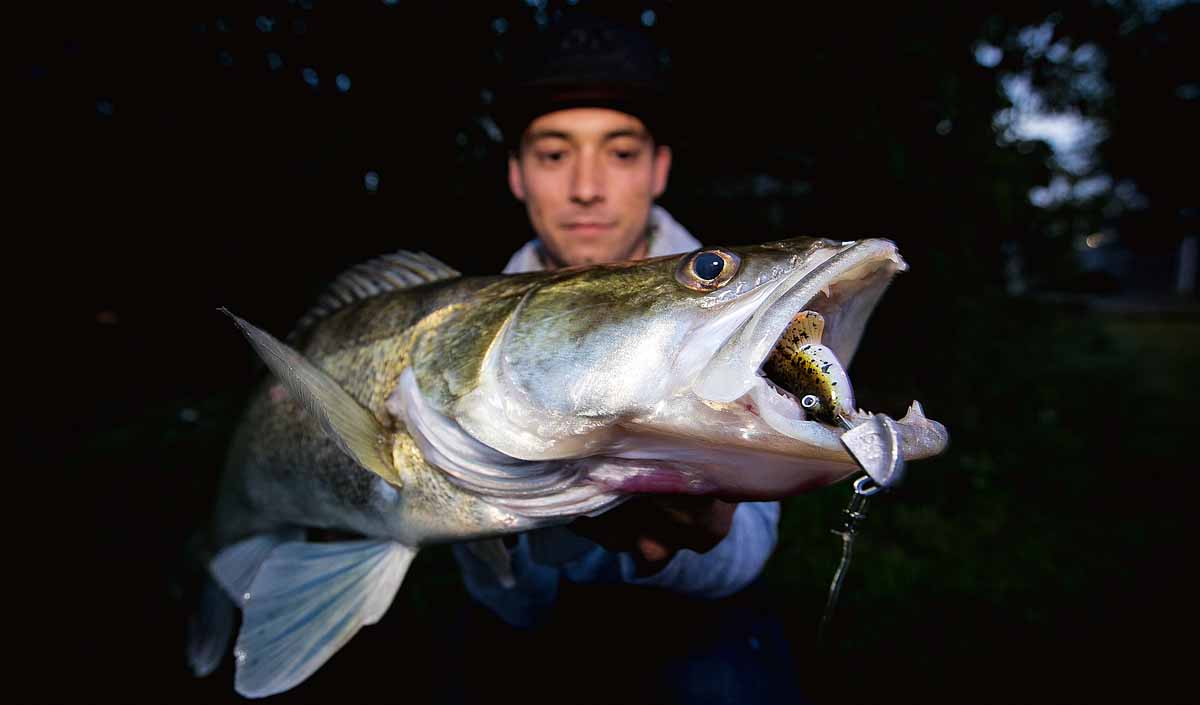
(787, 362)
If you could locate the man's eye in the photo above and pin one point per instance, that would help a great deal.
(552, 157)
(626, 155)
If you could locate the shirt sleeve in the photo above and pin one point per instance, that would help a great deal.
(732, 565)
(541, 558)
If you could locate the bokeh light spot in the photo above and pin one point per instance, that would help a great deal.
(371, 181)
(649, 18)
(310, 77)
(988, 55)
(343, 82)
(274, 61)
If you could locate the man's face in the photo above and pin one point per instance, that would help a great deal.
(588, 177)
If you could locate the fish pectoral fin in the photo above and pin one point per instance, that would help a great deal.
(351, 427)
(306, 602)
(495, 556)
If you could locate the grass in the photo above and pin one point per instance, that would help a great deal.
(1045, 542)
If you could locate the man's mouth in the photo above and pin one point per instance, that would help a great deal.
(589, 226)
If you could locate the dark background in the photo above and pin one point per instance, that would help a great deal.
(173, 159)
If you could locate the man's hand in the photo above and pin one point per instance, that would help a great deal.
(655, 528)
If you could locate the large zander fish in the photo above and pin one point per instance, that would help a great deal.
(416, 407)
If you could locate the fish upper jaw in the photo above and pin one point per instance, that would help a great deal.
(735, 368)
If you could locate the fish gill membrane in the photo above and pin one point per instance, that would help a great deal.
(421, 407)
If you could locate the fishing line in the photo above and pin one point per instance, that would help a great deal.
(852, 516)
(875, 448)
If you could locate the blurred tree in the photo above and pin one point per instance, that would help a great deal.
(1123, 73)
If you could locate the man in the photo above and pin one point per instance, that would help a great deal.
(588, 159)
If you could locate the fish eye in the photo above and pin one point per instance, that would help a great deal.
(707, 270)
(707, 265)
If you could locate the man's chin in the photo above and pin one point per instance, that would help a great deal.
(588, 249)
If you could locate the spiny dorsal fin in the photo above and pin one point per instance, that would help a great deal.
(399, 270)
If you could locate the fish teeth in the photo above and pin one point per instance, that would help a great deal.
(827, 291)
(915, 414)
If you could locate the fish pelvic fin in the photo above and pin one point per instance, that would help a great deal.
(306, 602)
(226, 584)
(351, 427)
(235, 566)
(208, 629)
(495, 555)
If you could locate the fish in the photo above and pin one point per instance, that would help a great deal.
(413, 406)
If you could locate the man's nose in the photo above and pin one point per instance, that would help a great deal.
(587, 181)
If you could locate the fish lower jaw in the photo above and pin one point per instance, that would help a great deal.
(920, 436)
(782, 412)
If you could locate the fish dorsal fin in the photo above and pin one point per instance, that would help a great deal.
(350, 426)
(399, 270)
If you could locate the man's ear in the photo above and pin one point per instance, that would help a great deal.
(662, 169)
(516, 183)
